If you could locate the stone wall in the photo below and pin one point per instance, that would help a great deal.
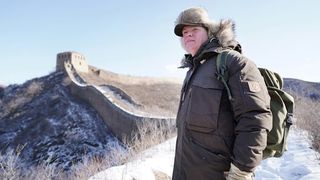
(122, 123)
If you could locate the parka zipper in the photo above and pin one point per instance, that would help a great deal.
(186, 85)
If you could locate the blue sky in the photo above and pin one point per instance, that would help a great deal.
(136, 37)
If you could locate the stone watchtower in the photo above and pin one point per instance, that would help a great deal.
(77, 60)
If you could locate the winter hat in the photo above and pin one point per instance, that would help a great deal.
(195, 16)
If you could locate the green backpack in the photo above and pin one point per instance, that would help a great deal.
(281, 104)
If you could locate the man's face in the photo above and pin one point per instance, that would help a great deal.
(193, 37)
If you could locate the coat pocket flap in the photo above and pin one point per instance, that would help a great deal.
(209, 83)
(201, 129)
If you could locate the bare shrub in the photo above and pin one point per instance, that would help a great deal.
(66, 81)
(90, 166)
(149, 134)
(9, 165)
(17, 102)
(34, 88)
(307, 114)
(44, 171)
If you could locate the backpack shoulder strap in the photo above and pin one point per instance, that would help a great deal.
(222, 70)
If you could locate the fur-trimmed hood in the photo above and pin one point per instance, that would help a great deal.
(223, 38)
(226, 34)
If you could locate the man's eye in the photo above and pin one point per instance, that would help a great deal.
(195, 29)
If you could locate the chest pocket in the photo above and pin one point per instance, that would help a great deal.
(205, 97)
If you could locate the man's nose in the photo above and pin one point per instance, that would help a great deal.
(189, 34)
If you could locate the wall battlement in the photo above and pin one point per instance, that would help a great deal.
(77, 60)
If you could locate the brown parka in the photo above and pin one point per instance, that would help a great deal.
(214, 131)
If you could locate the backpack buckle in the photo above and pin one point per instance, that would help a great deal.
(289, 119)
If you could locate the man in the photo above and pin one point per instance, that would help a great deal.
(218, 138)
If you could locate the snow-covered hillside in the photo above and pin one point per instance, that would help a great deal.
(299, 162)
(51, 125)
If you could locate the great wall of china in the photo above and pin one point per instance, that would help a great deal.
(121, 122)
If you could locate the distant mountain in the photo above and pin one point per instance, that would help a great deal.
(300, 88)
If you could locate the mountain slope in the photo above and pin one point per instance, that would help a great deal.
(301, 88)
(41, 118)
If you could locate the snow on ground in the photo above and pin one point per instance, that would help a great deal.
(298, 163)
(158, 159)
